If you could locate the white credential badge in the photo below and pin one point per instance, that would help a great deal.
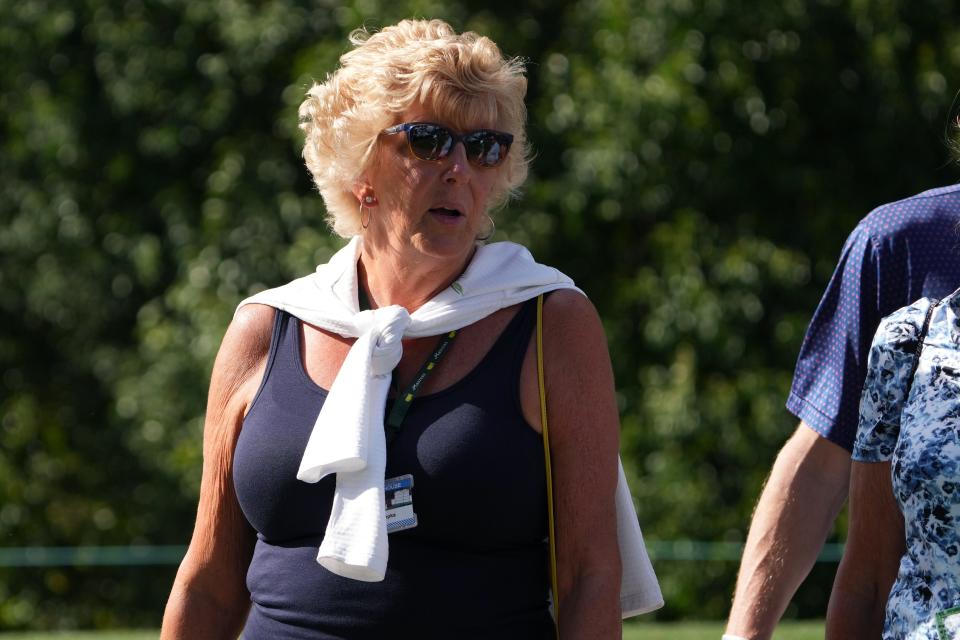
(399, 500)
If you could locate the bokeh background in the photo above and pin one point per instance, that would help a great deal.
(699, 164)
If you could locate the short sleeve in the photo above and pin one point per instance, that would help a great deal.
(889, 369)
(830, 367)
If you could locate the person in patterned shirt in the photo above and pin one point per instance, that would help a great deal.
(905, 484)
(899, 253)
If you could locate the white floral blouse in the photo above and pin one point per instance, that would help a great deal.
(920, 435)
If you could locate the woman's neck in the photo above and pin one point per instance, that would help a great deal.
(391, 279)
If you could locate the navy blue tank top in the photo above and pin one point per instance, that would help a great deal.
(475, 566)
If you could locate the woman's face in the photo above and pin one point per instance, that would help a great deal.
(428, 209)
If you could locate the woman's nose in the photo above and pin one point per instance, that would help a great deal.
(458, 167)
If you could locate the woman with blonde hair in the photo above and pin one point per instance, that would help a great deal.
(373, 463)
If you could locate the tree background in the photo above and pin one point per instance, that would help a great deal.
(699, 164)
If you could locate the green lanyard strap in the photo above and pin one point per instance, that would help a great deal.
(402, 404)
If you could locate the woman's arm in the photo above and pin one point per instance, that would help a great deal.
(584, 440)
(875, 544)
(209, 598)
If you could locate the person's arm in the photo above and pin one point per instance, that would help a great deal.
(808, 482)
(871, 558)
(584, 440)
(209, 598)
(799, 503)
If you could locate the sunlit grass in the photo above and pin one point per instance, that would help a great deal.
(812, 630)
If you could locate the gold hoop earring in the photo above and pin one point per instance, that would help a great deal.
(489, 234)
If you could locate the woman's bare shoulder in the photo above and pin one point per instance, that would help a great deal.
(252, 324)
(244, 349)
(568, 313)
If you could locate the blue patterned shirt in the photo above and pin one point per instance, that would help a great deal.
(899, 253)
(916, 426)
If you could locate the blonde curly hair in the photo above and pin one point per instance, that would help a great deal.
(464, 78)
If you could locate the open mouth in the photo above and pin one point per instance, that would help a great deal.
(446, 213)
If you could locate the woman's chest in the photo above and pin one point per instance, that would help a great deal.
(477, 467)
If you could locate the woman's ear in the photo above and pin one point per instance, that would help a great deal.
(364, 193)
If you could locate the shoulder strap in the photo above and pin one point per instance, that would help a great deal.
(546, 464)
(919, 347)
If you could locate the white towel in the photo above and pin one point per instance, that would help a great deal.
(639, 589)
(348, 437)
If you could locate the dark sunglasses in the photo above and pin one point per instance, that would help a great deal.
(428, 141)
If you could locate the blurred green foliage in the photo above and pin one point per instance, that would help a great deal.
(699, 163)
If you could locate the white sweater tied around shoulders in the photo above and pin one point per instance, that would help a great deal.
(348, 436)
